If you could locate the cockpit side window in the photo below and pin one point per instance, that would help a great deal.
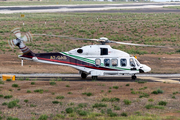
(107, 62)
(123, 62)
(114, 62)
(132, 63)
(104, 51)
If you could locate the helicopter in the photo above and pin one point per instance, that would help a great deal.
(94, 60)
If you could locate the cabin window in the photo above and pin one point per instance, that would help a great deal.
(98, 62)
(132, 63)
(123, 62)
(114, 62)
(107, 62)
(104, 51)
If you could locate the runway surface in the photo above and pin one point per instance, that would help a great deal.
(84, 8)
(168, 78)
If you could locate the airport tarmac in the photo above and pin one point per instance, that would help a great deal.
(168, 78)
(88, 8)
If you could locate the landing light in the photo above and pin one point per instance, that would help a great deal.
(135, 57)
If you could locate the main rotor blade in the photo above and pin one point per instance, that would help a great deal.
(60, 36)
(141, 45)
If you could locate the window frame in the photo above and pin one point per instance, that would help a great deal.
(121, 63)
(116, 62)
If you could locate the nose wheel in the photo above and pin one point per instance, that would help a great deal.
(133, 77)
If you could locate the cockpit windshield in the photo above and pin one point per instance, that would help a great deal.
(137, 62)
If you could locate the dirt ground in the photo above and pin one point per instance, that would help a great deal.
(43, 101)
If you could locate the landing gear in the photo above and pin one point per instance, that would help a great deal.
(83, 75)
(134, 77)
(94, 77)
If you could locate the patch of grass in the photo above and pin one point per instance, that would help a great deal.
(115, 87)
(141, 82)
(59, 117)
(149, 106)
(69, 110)
(127, 84)
(110, 99)
(144, 95)
(117, 108)
(8, 96)
(26, 101)
(124, 114)
(12, 118)
(4, 103)
(88, 94)
(60, 97)
(69, 92)
(162, 103)
(110, 113)
(97, 105)
(32, 83)
(1, 82)
(15, 85)
(55, 102)
(13, 103)
(52, 83)
(1, 95)
(158, 91)
(67, 85)
(82, 105)
(127, 102)
(174, 93)
(143, 88)
(9, 80)
(150, 100)
(28, 91)
(43, 117)
(39, 90)
(173, 97)
(82, 112)
(32, 105)
(109, 91)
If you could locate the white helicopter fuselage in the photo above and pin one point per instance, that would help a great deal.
(108, 61)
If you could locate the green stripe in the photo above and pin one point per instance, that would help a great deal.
(92, 61)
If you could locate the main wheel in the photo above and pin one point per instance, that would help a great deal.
(83, 75)
(134, 77)
(94, 77)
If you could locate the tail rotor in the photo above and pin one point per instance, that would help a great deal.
(17, 42)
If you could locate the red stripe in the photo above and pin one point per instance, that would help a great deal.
(59, 61)
(52, 60)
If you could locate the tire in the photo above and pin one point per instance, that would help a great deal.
(134, 77)
(94, 77)
(83, 75)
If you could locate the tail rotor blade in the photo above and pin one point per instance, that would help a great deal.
(27, 37)
(17, 32)
(11, 44)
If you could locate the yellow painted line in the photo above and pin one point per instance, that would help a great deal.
(167, 80)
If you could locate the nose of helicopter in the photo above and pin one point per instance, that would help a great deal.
(144, 68)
